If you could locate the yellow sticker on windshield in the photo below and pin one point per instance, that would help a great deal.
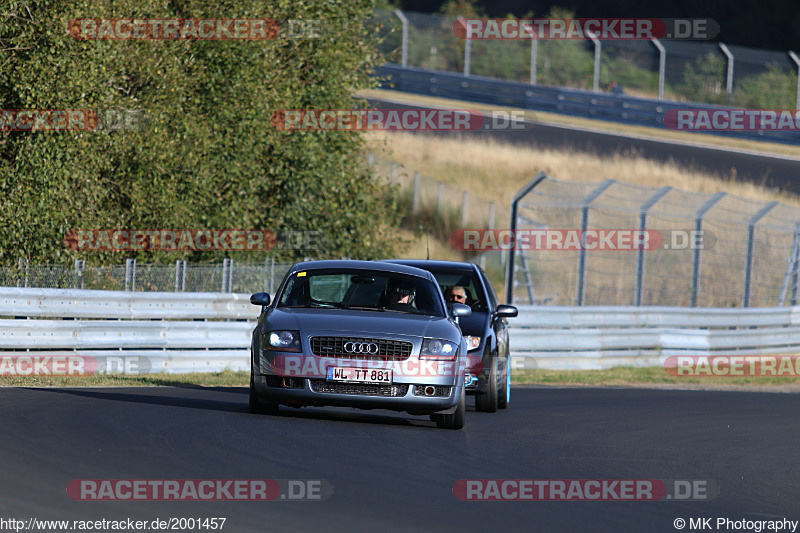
(301, 274)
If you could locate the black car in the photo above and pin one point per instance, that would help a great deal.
(485, 330)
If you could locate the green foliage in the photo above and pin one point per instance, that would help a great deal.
(704, 80)
(209, 156)
(774, 89)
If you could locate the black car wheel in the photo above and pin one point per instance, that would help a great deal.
(504, 393)
(455, 420)
(487, 402)
(257, 406)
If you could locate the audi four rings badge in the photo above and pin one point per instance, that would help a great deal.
(361, 347)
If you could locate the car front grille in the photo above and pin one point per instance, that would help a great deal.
(361, 389)
(388, 349)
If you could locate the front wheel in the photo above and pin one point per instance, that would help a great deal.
(456, 420)
(257, 406)
(487, 402)
(505, 391)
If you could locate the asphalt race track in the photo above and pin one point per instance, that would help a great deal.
(393, 472)
(771, 171)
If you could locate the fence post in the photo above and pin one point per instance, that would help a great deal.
(597, 53)
(439, 197)
(729, 76)
(370, 159)
(467, 45)
(580, 290)
(492, 209)
(404, 46)
(534, 56)
(415, 202)
(272, 276)
(80, 265)
(662, 66)
(696, 252)
(130, 274)
(796, 269)
(464, 210)
(541, 176)
(393, 178)
(797, 94)
(180, 275)
(791, 267)
(227, 274)
(748, 269)
(639, 284)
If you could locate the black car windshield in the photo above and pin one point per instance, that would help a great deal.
(362, 290)
(468, 280)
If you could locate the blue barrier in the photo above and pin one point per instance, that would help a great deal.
(609, 107)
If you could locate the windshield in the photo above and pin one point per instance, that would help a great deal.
(362, 290)
(467, 280)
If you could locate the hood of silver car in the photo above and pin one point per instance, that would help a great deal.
(354, 322)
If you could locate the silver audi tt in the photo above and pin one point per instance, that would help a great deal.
(359, 334)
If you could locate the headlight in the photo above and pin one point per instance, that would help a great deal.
(438, 349)
(472, 341)
(284, 340)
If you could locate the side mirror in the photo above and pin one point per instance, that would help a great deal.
(461, 310)
(260, 298)
(507, 311)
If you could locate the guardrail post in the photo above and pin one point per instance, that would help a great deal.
(729, 76)
(534, 56)
(80, 265)
(439, 197)
(130, 274)
(696, 252)
(796, 269)
(272, 275)
(492, 209)
(404, 46)
(662, 66)
(393, 177)
(227, 275)
(748, 270)
(639, 286)
(464, 204)
(370, 159)
(580, 290)
(541, 176)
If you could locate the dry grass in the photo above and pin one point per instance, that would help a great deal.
(496, 171)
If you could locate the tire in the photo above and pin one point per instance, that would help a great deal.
(456, 420)
(487, 402)
(257, 407)
(505, 391)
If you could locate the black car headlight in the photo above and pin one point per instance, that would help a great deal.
(284, 340)
(438, 349)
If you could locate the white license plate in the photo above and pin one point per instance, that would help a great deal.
(358, 375)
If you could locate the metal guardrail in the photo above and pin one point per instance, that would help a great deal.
(587, 104)
(116, 332)
(604, 337)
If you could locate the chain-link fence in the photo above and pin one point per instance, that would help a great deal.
(692, 71)
(636, 245)
(180, 277)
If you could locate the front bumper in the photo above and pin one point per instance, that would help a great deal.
(316, 391)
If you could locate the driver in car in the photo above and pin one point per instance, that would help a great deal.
(401, 297)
